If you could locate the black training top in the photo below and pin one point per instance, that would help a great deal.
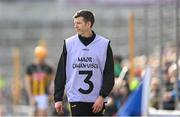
(40, 76)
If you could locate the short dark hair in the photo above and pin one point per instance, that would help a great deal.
(87, 15)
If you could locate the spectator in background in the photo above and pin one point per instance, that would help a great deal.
(38, 77)
(168, 96)
(117, 97)
(2, 86)
(2, 92)
(136, 80)
(154, 93)
(117, 65)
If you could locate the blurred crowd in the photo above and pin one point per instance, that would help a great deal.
(164, 80)
(38, 93)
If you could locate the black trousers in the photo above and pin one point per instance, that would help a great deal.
(84, 109)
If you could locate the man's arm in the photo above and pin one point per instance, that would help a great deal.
(108, 74)
(60, 78)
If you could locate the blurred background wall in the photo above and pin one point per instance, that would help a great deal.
(24, 22)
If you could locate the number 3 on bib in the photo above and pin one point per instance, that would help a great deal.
(87, 81)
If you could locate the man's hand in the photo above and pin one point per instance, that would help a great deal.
(59, 107)
(98, 104)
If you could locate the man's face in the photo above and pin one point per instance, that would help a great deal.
(81, 26)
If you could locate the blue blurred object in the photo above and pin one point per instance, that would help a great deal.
(136, 105)
(132, 107)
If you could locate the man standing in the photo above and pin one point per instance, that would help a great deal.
(85, 69)
(38, 77)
